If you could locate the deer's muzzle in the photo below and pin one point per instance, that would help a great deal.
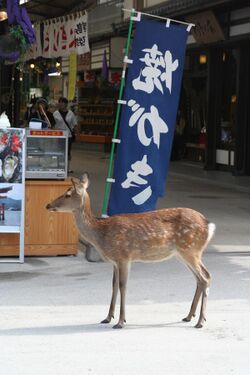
(50, 208)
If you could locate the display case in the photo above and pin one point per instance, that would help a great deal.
(47, 154)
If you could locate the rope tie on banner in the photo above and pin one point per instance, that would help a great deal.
(122, 101)
(190, 27)
(137, 17)
(116, 140)
(62, 18)
(126, 60)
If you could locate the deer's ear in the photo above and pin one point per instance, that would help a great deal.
(85, 180)
(75, 181)
(77, 184)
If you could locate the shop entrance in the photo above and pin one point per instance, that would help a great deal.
(227, 109)
(190, 133)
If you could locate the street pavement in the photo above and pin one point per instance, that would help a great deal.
(50, 308)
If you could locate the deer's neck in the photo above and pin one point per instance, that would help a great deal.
(87, 223)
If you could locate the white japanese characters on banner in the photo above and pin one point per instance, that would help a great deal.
(148, 117)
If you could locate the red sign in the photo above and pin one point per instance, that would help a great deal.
(53, 133)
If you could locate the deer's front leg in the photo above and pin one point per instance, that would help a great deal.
(115, 286)
(123, 278)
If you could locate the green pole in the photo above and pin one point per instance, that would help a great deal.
(112, 152)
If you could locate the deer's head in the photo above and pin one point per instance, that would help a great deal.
(73, 198)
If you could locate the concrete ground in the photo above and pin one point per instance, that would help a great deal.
(50, 308)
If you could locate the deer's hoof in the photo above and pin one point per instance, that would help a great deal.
(105, 321)
(186, 319)
(118, 326)
(198, 325)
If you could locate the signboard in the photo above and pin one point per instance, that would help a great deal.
(84, 62)
(12, 183)
(207, 29)
(53, 133)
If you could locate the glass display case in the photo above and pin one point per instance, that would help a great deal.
(46, 156)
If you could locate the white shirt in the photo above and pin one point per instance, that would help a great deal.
(60, 124)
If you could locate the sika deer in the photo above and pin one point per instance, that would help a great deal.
(148, 237)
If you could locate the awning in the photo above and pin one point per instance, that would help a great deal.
(182, 7)
(45, 9)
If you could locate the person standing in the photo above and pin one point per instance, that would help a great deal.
(66, 120)
(38, 110)
(42, 113)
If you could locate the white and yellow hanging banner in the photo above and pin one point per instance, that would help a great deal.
(72, 76)
(60, 37)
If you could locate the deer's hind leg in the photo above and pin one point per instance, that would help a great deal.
(123, 279)
(195, 301)
(205, 291)
(115, 287)
(203, 279)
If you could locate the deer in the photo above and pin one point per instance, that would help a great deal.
(152, 236)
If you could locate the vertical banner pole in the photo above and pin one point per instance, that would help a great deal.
(111, 158)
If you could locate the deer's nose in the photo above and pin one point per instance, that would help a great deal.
(50, 208)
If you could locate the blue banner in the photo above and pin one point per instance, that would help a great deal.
(148, 118)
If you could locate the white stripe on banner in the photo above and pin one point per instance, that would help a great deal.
(147, 120)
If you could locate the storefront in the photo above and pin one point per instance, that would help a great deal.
(215, 98)
(213, 119)
(221, 91)
(33, 162)
(211, 87)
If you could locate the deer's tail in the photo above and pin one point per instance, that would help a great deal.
(211, 231)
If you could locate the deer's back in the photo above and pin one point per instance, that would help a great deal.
(154, 235)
